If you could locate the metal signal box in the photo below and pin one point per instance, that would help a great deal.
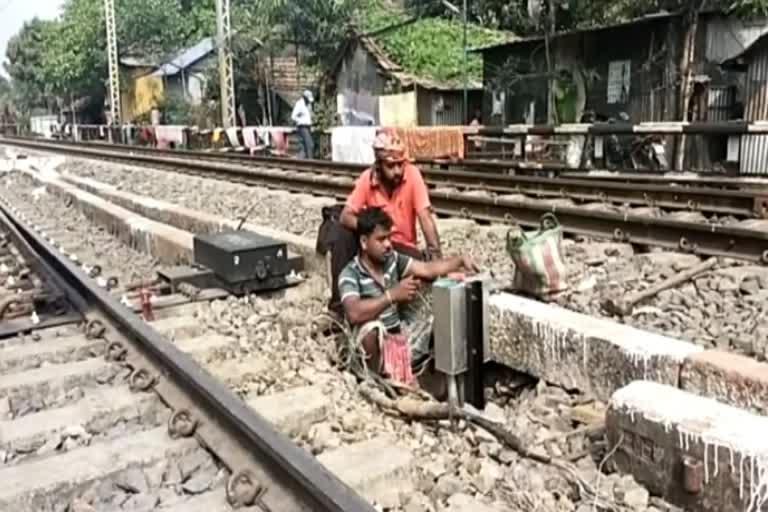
(461, 323)
(243, 258)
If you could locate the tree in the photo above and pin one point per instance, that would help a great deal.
(514, 15)
(318, 25)
(76, 60)
(25, 55)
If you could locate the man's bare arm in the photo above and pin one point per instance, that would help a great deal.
(360, 311)
(429, 228)
(431, 270)
(348, 219)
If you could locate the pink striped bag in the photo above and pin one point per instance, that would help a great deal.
(539, 266)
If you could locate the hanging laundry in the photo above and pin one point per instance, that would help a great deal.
(433, 142)
(250, 138)
(279, 142)
(216, 135)
(263, 133)
(169, 134)
(353, 144)
(234, 141)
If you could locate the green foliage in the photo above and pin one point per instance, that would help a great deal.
(513, 15)
(317, 25)
(430, 47)
(24, 62)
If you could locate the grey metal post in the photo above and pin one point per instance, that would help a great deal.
(226, 68)
(114, 65)
(466, 70)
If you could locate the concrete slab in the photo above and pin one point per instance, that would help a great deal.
(377, 469)
(117, 402)
(168, 244)
(293, 411)
(213, 501)
(49, 333)
(660, 430)
(576, 351)
(195, 221)
(62, 350)
(232, 372)
(178, 327)
(729, 378)
(41, 483)
(53, 376)
(202, 345)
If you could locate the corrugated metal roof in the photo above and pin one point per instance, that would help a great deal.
(186, 58)
(531, 39)
(739, 62)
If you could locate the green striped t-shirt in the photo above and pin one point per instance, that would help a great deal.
(356, 281)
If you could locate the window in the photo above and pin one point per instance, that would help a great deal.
(618, 81)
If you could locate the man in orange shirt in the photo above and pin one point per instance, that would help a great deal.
(395, 185)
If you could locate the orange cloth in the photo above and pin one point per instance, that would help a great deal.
(409, 199)
(433, 142)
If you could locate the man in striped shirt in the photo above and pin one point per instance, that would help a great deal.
(379, 286)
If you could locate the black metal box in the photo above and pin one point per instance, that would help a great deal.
(240, 256)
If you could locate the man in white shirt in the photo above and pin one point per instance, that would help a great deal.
(302, 118)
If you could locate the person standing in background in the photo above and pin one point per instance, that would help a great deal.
(302, 118)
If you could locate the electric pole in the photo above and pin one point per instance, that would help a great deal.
(226, 71)
(114, 65)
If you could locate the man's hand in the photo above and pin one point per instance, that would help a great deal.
(406, 290)
(469, 265)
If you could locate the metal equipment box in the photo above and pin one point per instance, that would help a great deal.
(451, 326)
(449, 307)
(238, 257)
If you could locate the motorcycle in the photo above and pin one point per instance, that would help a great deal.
(635, 152)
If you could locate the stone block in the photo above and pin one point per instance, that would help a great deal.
(697, 453)
(301, 250)
(378, 469)
(579, 352)
(729, 378)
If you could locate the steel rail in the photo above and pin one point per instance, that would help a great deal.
(690, 237)
(738, 203)
(560, 170)
(312, 485)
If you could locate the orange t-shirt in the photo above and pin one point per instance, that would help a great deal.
(407, 200)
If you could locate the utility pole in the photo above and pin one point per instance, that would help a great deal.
(114, 65)
(466, 69)
(226, 69)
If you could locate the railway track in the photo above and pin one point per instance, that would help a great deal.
(712, 196)
(518, 413)
(98, 409)
(708, 239)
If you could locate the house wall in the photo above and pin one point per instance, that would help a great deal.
(190, 85)
(754, 148)
(143, 93)
(445, 108)
(589, 59)
(359, 83)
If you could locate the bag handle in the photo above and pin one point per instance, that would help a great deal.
(518, 240)
(548, 221)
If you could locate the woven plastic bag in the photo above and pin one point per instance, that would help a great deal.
(539, 266)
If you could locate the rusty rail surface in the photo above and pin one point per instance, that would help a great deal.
(690, 237)
(683, 194)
